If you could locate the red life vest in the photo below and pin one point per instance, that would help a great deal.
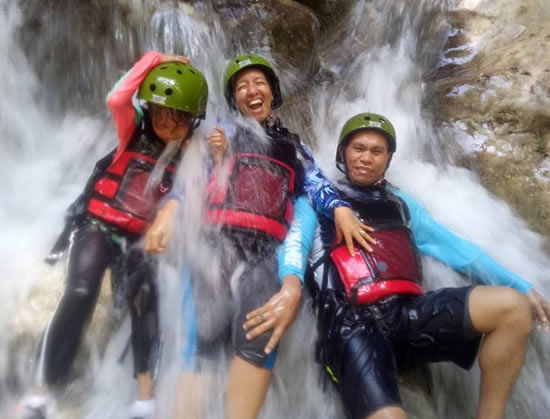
(255, 197)
(120, 197)
(392, 267)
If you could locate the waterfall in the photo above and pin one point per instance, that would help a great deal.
(388, 78)
(54, 126)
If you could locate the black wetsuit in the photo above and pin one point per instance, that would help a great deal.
(95, 245)
(361, 345)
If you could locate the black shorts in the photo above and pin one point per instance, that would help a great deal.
(363, 349)
(222, 305)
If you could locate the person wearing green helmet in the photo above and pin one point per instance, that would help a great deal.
(255, 205)
(373, 314)
(106, 222)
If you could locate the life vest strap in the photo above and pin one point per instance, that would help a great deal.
(376, 291)
(247, 220)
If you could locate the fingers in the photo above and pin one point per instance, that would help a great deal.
(261, 324)
(348, 239)
(274, 340)
(171, 58)
(361, 238)
(217, 143)
(363, 233)
(350, 229)
(255, 317)
(339, 235)
(366, 227)
(541, 309)
(217, 132)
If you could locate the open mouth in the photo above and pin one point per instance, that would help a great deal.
(255, 104)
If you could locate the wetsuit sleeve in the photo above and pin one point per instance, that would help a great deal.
(294, 251)
(321, 192)
(435, 240)
(119, 100)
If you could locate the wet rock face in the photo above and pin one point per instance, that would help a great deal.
(289, 29)
(87, 43)
(494, 95)
(330, 12)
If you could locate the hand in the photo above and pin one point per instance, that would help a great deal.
(217, 144)
(160, 233)
(170, 58)
(541, 309)
(277, 314)
(349, 228)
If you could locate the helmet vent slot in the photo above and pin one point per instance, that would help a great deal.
(168, 92)
(152, 87)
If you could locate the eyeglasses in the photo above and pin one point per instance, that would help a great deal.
(177, 117)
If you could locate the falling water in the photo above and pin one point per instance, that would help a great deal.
(387, 78)
(51, 138)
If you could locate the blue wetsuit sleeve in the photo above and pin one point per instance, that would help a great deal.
(435, 240)
(322, 194)
(293, 253)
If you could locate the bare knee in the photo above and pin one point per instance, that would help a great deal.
(500, 307)
(517, 312)
(391, 412)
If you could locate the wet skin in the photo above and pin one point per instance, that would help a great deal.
(170, 124)
(366, 157)
(252, 94)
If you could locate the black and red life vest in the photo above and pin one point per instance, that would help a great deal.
(257, 194)
(393, 267)
(122, 197)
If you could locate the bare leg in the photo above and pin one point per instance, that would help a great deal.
(393, 412)
(191, 390)
(247, 386)
(504, 316)
(146, 386)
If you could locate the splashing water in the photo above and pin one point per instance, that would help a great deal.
(45, 158)
(386, 79)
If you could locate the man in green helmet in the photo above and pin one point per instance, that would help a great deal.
(105, 223)
(373, 314)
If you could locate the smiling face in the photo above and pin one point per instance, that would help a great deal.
(366, 156)
(252, 94)
(170, 124)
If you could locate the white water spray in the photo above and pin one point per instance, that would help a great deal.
(45, 160)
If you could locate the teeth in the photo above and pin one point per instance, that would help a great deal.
(255, 102)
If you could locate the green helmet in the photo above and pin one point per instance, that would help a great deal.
(364, 121)
(241, 62)
(177, 86)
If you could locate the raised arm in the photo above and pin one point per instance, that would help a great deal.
(462, 255)
(119, 100)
